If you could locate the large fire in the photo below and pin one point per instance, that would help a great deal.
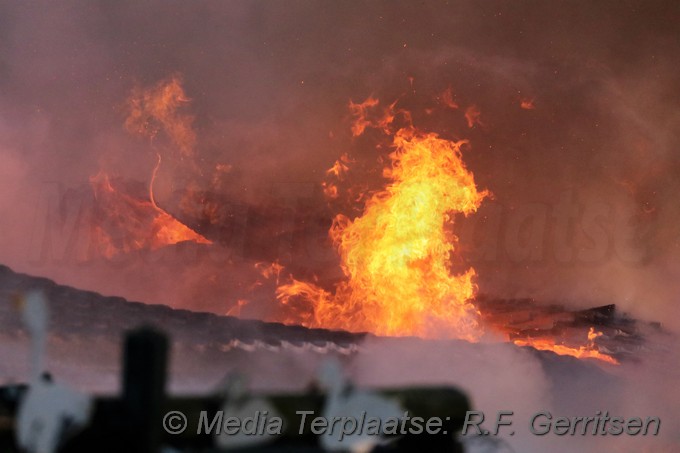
(396, 255)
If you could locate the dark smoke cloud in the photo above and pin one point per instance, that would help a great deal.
(270, 83)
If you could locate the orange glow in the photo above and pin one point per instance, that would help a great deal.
(156, 109)
(236, 309)
(364, 118)
(330, 190)
(338, 171)
(447, 99)
(472, 115)
(124, 223)
(269, 270)
(395, 256)
(589, 350)
(340, 166)
(527, 104)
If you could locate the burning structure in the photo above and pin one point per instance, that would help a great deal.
(488, 193)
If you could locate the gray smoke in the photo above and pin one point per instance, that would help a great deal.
(584, 184)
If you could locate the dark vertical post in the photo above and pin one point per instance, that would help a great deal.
(144, 387)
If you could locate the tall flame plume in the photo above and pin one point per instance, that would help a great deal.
(396, 255)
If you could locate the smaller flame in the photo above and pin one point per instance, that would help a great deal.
(330, 190)
(269, 270)
(589, 350)
(447, 99)
(236, 309)
(472, 115)
(340, 167)
(527, 104)
(364, 118)
(124, 223)
(157, 108)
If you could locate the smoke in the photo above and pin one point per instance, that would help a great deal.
(501, 377)
(584, 183)
(495, 377)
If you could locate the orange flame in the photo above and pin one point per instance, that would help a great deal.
(589, 350)
(340, 166)
(472, 115)
(396, 255)
(363, 118)
(527, 104)
(447, 99)
(156, 109)
(338, 171)
(125, 223)
(236, 309)
(330, 190)
(269, 270)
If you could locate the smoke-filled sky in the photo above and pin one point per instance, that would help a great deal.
(584, 178)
